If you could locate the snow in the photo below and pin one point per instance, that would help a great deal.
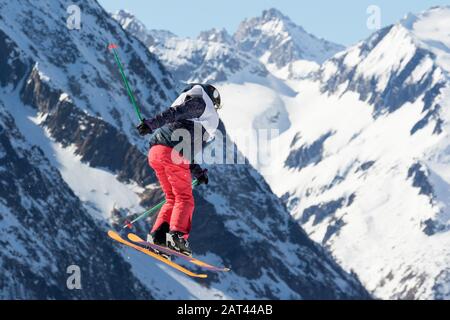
(43, 77)
(432, 28)
(382, 230)
(102, 188)
(329, 68)
(392, 54)
(382, 238)
(352, 58)
(296, 70)
(64, 96)
(260, 109)
(418, 73)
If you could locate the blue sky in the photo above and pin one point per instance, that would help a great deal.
(340, 21)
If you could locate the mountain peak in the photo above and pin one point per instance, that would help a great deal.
(435, 11)
(216, 35)
(124, 13)
(272, 14)
(276, 39)
(125, 16)
(129, 21)
(430, 28)
(408, 20)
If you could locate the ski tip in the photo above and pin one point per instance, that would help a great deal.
(113, 234)
(134, 238)
(112, 46)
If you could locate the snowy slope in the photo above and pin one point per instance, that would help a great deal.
(361, 159)
(64, 93)
(45, 228)
(366, 158)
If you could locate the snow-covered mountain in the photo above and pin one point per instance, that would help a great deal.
(211, 57)
(45, 229)
(281, 44)
(71, 161)
(367, 158)
(362, 151)
(271, 41)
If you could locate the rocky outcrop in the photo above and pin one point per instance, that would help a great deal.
(44, 230)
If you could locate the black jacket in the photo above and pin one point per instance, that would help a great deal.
(164, 125)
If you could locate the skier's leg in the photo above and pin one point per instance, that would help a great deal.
(157, 160)
(179, 177)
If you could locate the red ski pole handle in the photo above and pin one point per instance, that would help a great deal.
(128, 224)
(112, 46)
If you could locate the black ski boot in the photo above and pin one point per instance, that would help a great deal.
(159, 238)
(175, 241)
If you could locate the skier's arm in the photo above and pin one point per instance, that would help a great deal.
(190, 109)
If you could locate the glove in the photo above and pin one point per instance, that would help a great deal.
(202, 176)
(143, 128)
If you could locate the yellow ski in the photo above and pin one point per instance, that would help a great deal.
(138, 240)
(115, 236)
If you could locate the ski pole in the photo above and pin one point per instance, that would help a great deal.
(145, 214)
(113, 47)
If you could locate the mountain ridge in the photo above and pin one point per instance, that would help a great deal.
(227, 56)
(65, 100)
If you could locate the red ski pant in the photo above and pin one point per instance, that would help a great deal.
(175, 179)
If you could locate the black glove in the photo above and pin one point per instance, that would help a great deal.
(202, 176)
(143, 128)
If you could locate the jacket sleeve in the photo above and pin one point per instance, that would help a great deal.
(189, 109)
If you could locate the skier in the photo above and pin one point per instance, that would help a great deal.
(195, 110)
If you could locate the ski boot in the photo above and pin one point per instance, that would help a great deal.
(158, 237)
(175, 241)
